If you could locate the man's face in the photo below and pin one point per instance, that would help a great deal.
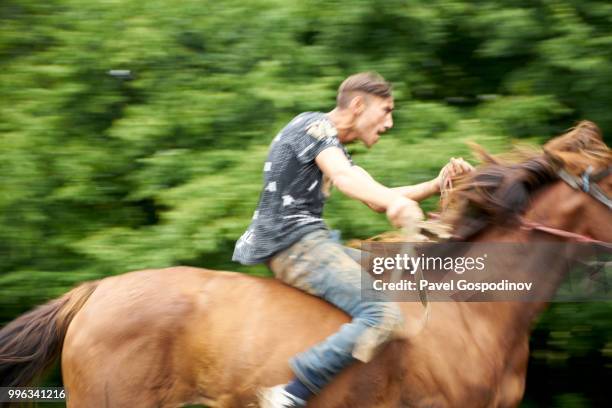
(375, 119)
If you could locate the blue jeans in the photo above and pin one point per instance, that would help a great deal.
(320, 266)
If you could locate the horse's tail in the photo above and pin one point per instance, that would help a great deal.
(30, 343)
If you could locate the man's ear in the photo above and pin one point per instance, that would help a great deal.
(357, 105)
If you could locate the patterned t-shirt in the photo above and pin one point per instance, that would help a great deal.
(294, 190)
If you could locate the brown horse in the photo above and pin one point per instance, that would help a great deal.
(177, 336)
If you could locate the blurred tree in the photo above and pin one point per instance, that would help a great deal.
(102, 174)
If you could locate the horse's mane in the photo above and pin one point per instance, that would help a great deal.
(499, 191)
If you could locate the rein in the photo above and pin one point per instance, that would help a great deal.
(536, 226)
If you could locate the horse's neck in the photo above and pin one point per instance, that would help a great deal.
(540, 265)
(502, 328)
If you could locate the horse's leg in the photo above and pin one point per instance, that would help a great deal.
(512, 384)
(375, 385)
(127, 346)
(113, 379)
(101, 394)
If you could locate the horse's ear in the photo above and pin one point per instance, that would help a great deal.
(554, 159)
(482, 154)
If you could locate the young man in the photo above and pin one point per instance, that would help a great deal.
(288, 234)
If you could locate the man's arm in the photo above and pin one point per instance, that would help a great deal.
(416, 192)
(421, 191)
(356, 183)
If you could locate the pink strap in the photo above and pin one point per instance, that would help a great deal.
(532, 225)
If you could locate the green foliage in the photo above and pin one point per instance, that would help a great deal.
(103, 174)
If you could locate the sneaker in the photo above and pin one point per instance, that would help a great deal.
(278, 397)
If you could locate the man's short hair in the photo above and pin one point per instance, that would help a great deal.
(369, 83)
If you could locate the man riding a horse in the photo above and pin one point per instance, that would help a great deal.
(178, 336)
(288, 233)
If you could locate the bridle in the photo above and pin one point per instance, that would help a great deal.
(587, 183)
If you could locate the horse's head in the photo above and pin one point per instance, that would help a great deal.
(580, 201)
(568, 188)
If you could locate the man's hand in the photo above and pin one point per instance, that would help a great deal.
(403, 212)
(455, 167)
